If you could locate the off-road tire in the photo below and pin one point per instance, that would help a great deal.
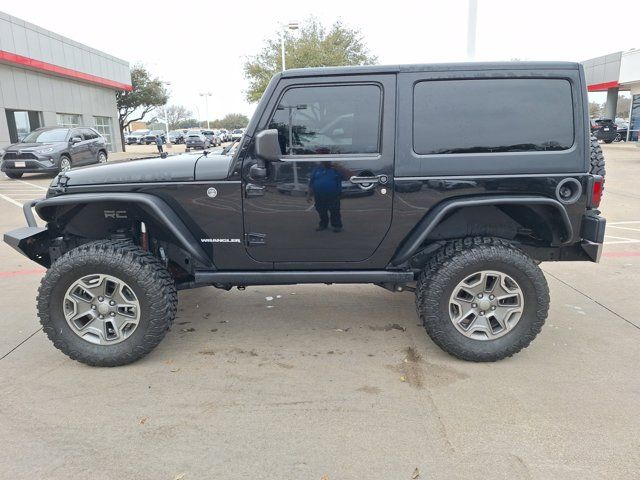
(148, 278)
(460, 258)
(13, 175)
(596, 160)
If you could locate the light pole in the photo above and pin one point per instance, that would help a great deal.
(471, 29)
(206, 96)
(166, 120)
(283, 28)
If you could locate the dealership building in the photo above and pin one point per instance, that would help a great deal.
(47, 80)
(613, 73)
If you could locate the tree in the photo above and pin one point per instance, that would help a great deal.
(187, 123)
(314, 46)
(624, 105)
(147, 94)
(595, 109)
(234, 120)
(175, 115)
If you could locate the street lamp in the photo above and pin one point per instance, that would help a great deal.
(471, 29)
(206, 96)
(166, 120)
(283, 28)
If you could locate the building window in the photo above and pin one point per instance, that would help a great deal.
(103, 126)
(492, 116)
(634, 124)
(69, 120)
(21, 123)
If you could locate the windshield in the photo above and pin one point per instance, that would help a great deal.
(55, 135)
(237, 131)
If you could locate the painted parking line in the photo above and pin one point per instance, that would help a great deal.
(39, 187)
(11, 200)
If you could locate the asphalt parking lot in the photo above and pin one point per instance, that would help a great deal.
(334, 382)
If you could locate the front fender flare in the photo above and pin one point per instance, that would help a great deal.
(150, 203)
(431, 220)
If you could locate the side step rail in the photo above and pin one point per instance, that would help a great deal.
(294, 277)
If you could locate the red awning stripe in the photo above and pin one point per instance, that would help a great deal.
(15, 59)
(600, 87)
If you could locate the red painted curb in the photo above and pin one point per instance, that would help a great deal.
(15, 273)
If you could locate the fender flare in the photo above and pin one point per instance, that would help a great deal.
(431, 220)
(150, 203)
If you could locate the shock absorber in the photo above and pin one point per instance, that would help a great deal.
(144, 237)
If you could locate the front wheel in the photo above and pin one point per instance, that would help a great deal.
(482, 299)
(106, 303)
(102, 157)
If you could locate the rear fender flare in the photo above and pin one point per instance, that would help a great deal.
(430, 221)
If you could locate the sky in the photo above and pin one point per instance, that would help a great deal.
(200, 46)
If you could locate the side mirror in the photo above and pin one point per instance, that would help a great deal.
(75, 140)
(258, 170)
(267, 146)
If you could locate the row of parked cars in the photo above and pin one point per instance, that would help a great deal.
(214, 137)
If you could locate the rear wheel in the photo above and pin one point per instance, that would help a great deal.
(482, 299)
(13, 174)
(106, 303)
(102, 157)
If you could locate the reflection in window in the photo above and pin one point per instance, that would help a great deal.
(329, 120)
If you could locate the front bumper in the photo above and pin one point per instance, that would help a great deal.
(44, 163)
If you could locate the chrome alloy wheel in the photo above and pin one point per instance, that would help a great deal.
(486, 305)
(65, 164)
(101, 309)
(102, 158)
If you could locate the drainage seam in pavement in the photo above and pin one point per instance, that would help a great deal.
(593, 300)
(19, 345)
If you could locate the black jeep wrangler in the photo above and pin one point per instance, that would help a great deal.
(454, 181)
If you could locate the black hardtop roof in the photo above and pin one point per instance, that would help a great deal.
(428, 67)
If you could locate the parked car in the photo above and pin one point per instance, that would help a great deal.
(197, 140)
(470, 252)
(226, 135)
(622, 129)
(53, 150)
(236, 134)
(150, 137)
(135, 137)
(604, 129)
(214, 140)
(176, 136)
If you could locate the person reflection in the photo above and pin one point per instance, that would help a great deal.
(325, 188)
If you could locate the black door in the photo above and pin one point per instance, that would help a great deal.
(330, 198)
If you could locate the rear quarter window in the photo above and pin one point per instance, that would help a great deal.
(492, 116)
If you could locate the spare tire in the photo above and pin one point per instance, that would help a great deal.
(596, 166)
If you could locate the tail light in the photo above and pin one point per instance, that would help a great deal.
(597, 186)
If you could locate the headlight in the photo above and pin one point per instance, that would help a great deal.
(45, 150)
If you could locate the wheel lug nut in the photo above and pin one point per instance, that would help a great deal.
(481, 313)
(93, 307)
(493, 308)
(112, 303)
(479, 295)
(491, 297)
(101, 316)
(113, 314)
(474, 305)
(100, 299)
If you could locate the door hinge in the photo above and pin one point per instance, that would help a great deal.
(256, 238)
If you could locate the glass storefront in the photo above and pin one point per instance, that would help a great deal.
(22, 122)
(634, 124)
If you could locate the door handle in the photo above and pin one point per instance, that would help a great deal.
(367, 183)
(253, 190)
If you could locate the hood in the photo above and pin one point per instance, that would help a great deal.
(27, 147)
(174, 168)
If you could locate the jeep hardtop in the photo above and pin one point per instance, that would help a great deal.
(453, 181)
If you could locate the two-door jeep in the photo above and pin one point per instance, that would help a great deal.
(454, 181)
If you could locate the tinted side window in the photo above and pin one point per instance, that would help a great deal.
(329, 120)
(77, 133)
(89, 134)
(493, 115)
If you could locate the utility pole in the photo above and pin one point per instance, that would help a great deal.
(206, 96)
